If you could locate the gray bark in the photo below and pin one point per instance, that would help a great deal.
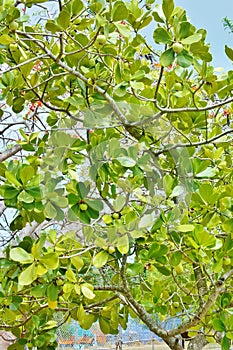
(198, 342)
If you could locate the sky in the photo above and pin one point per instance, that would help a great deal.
(208, 14)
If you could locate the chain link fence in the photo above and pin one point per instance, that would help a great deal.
(137, 336)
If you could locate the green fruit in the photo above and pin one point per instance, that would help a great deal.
(83, 206)
(227, 261)
(91, 62)
(176, 304)
(107, 219)
(179, 269)
(115, 216)
(111, 249)
(177, 47)
(100, 40)
(13, 25)
(178, 86)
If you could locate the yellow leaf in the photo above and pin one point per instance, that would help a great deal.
(52, 304)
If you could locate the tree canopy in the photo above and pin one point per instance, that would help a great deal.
(116, 172)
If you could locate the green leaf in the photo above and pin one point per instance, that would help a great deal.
(185, 228)
(52, 292)
(83, 190)
(229, 52)
(208, 172)
(123, 29)
(177, 191)
(161, 36)
(137, 85)
(21, 255)
(167, 57)
(101, 243)
(18, 104)
(163, 270)
(10, 192)
(167, 184)
(77, 6)
(134, 269)
(26, 174)
(123, 244)
(12, 179)
(184, 59)
(87, 291)
(50, 211)
(6, 39)
(184, 29)
(204, 238)
(95, 204)
(157, 17)
(104, 325)
(63, 19)
(218, 325)
(176, 258)
(119, 11)
(77, 262)
(146, 221)
(52, 27)
(25, 197)
(28, 275)
(168, 7)
(191, 39)
(100, 259)
(157, 224)
(138, 75)
(225, 343)
(119, 203)
(126, 161)
(50, 260)
(34, 191)
(228, 226)
(70, 275)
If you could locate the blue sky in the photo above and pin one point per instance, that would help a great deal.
(208, 14)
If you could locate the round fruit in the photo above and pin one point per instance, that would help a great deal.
(178, 86)
(227, 261)
(83, 206)
(179, 269)
(177, 47)
(107, 219)
(13, 25)
(100, 40)
(111, 249)
(115, 216)
(91, 62)
(176, 304)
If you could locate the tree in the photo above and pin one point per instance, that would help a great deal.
(116, 173)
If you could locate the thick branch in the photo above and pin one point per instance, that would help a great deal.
(10, 152)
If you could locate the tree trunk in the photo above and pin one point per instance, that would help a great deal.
(6, 339)
(198, 342)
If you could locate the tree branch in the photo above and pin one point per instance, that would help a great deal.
(219, 288)
(10, 152)
(76, 73)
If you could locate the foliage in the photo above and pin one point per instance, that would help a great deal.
(118, 171)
